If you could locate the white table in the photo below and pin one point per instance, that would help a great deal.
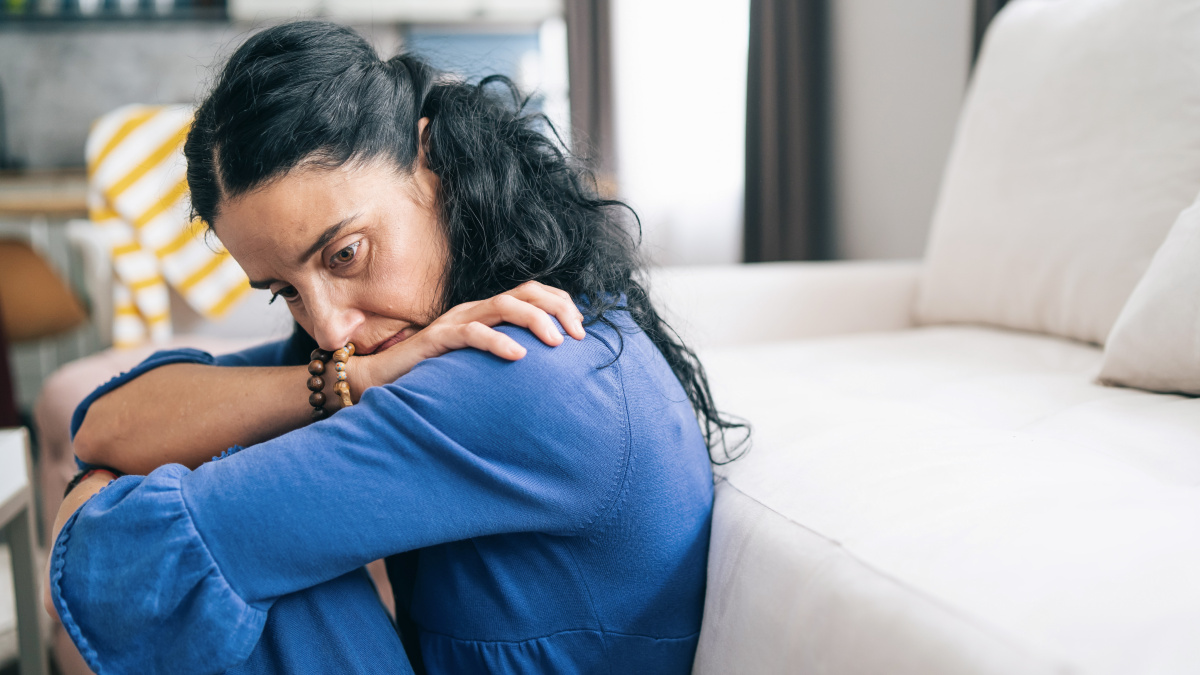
(16, 520)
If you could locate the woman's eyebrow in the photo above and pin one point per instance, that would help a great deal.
(326, 237)
(264, 284)
(323, 240)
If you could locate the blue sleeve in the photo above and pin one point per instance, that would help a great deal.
(465, 445)
(289, 351)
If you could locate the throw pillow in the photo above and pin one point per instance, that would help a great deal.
(1155, 343)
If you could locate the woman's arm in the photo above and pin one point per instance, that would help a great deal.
(467, 445)
(185, 413)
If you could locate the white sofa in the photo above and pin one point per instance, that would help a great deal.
(935, 499)
(938, 483)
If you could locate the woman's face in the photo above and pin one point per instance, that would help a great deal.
(357, 251)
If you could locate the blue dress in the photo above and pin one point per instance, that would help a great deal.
(556, 511)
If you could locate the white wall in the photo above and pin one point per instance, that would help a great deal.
(680, 78)
(899, 72)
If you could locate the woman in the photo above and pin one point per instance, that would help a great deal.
(543, 503)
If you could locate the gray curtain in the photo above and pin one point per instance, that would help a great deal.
(787, 210)
(985, 11)
(590, 72)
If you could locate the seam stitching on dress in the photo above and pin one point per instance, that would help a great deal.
(90, 655)
(621, 473)
(689, 636)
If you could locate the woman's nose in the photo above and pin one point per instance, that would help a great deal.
(334, 326)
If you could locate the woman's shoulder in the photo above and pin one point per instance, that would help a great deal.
(571, 393)
(544, 369)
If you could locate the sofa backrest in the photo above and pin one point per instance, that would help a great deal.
(1078, 145)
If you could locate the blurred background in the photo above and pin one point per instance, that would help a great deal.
(739, 130)
(863, 92)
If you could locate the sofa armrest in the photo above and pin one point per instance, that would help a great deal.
(725, 305)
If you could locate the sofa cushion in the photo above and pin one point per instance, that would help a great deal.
(951, 500)
(1078, 144)
(1155, 344)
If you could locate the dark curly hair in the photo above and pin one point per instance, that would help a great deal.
(514, 205)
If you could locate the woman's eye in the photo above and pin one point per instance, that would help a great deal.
(344, 256)
(288, 292)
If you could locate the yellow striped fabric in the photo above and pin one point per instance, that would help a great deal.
(137, 196)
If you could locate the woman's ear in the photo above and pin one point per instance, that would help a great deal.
(426, 180)
(422, 141)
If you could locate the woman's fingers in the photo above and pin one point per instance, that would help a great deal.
(553, 301)
(530, 305)
(484, 338)
(539, 286)
(509, 309)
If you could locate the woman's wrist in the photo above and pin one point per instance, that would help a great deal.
(358, 376)
(87, 474)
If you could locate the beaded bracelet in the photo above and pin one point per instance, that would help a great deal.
(316, 368)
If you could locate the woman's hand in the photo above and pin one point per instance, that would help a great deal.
(470, 324)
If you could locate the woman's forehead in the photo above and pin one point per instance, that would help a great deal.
(284, 217)
(280, 223)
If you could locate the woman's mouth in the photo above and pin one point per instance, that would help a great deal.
(395, 339)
